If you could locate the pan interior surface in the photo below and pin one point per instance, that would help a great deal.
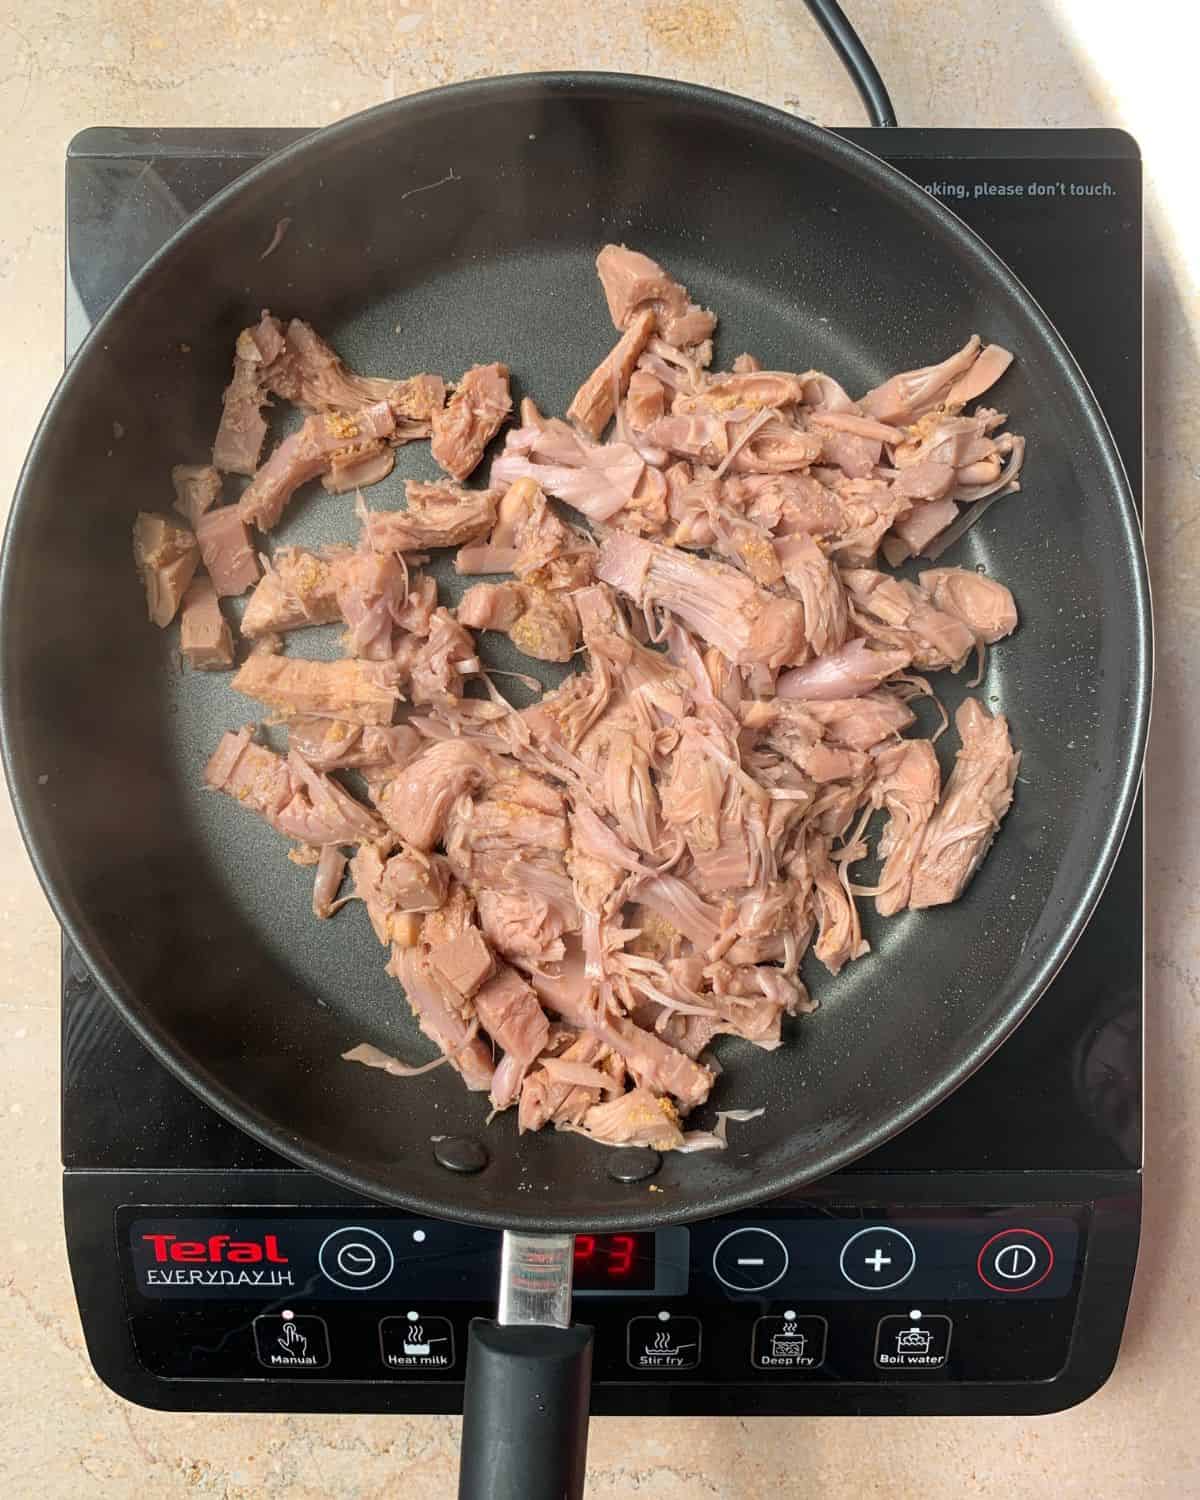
(457, 228)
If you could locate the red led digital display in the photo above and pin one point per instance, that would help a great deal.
(614, 1262)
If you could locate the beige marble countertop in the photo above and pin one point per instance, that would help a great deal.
(306, 62)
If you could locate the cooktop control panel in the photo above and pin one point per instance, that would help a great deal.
(877, 1296)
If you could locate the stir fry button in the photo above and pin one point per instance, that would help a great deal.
(665, 1342)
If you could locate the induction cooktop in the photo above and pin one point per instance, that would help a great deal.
(981, 1262)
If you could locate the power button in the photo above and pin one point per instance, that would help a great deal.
(1015, 1260)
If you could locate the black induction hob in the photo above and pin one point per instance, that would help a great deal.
(981, 1262)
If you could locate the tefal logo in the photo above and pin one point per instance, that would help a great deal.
(215, 1249)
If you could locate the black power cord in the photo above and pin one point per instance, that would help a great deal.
(856, 60)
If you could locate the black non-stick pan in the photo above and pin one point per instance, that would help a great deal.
(432, 233)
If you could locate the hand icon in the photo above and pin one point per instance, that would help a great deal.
(292, 1341)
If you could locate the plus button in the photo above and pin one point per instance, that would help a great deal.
(878, 1258)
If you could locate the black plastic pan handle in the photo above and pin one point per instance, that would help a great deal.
(529, 1375)
(525, 1413)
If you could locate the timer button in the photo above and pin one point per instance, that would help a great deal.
(356, 1259)
(750, 1260)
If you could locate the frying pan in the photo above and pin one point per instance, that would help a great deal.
(434, 232)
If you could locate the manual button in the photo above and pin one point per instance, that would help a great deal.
(916, 1341)
(291, 1341)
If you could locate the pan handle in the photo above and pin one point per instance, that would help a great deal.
(525, 1409)
(525, 1413)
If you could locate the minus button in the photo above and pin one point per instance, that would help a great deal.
(750, 1258)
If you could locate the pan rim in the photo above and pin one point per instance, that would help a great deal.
(844, 155)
